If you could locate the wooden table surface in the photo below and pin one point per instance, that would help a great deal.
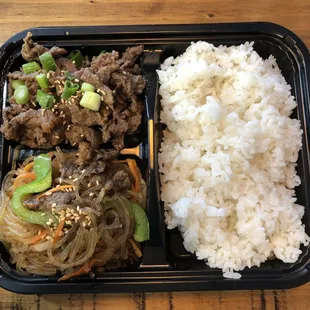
(17, 15)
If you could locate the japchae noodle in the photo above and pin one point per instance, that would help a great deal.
(91, 225)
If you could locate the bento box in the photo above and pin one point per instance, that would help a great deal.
(165, 264)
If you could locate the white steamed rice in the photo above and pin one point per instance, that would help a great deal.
(228, 157)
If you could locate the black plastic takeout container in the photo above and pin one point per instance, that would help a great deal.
(166, 266)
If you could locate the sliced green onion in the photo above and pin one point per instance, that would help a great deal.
(69, 76)
(45, 100)
(48, 62)
(91, 101)
(87, 87)
(31, 67)
(21, 94)
(42, 80)
(76, 57)
(70, 89)
(16, 83)
(103, 52)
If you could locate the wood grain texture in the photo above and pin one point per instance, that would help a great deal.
(16, 15)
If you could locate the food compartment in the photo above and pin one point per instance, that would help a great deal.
(136, 145)
(289, 64)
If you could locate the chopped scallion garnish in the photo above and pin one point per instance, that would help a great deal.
(48, 62)
(87, 87)
(42, 80)
(21, 94)
(91, 101)
(70, 89)
(76, 57)
(45, 100)
(16, 83)
(31, 67)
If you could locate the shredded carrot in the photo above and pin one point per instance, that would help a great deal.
(135, 247)
(55, 189)
(118, 161)
(135, 172)
(58, 230)
(86, 268)
(28, 167)
(24, 178)
(38, 237)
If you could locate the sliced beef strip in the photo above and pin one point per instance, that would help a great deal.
(86, 152)
(104, 60)
(77, 134)
(121, 181)
(45, 203)
(35, 129)
(86, 75)
(70, 167)
(87, 139)
(130, 56)
(31, 50)
(130, 85)
(105, 73)
(66, 64)
(86, 117)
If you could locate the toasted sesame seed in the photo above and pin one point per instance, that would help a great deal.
(64, 123)
(51, 220)
(97, 182)
(48, 223)
(83, 170)
(39, 232)
(73, 61)
(84, 224)
(62, 100)
(80, 211)
(60, 180)
(81, 136)
(63, 82)
(98, 90)
(77, 218)
(70, 177)
(53, 110)
(87, 217)
(42, 112)
(72, 211)
(42, 214)
(75, 179)
(89, 184)
(103, 92)
(91, 194)
(102, 99)
(57, 137)
(67, 222)
(66, 231)
(54, 205)
(48, 238)
(89, 223)
(78, 208)
(62, 218)
(67, 190)
(48, 75)
(76, 80)
(68, 215)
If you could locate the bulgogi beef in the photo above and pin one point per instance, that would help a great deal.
(116, 79)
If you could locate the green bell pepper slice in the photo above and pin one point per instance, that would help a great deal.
(43, 172)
